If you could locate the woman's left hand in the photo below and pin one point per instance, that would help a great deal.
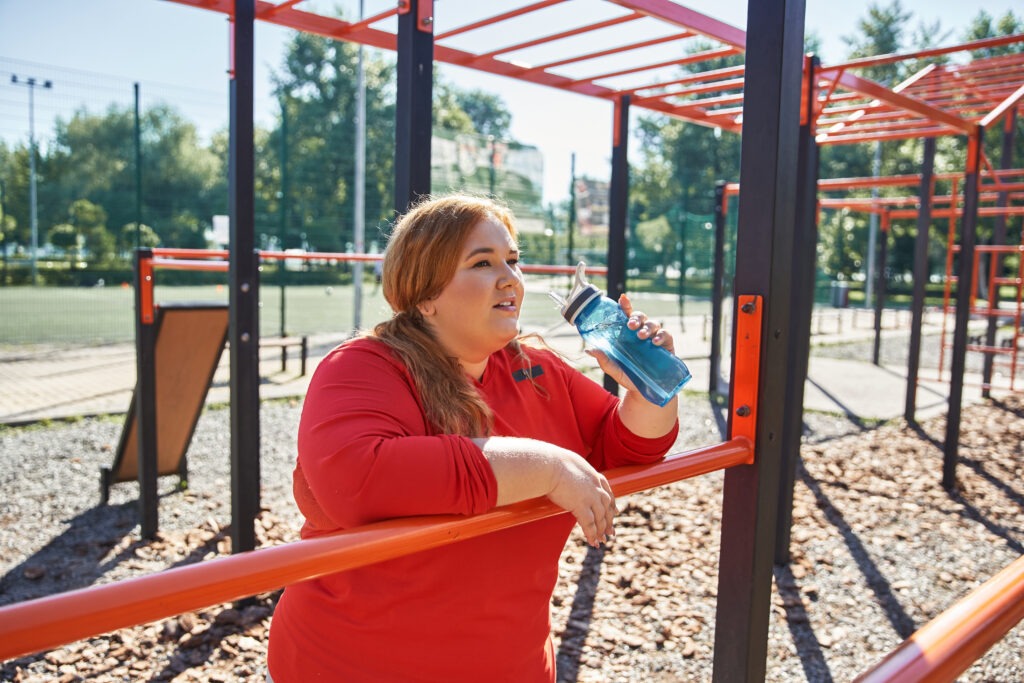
(645, 329)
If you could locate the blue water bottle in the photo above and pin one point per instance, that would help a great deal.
(657, 374)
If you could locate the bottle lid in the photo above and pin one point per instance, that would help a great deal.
(582, 294)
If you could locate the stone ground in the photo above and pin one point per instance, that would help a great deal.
(879, 548)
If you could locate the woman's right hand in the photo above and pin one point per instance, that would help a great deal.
(528, 468)
(583, 491)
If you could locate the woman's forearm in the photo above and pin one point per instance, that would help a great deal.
(528, 468)
(645, 419)
(523, 468)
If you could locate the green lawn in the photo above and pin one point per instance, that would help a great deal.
(96, 315)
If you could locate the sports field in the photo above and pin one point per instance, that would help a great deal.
(102, 315)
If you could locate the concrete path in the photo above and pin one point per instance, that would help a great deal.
(49, 383)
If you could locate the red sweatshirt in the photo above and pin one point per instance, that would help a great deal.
(475, 610)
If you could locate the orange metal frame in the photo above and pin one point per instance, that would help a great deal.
(946, 646)
(938, 100)
(214, 260)
(48, 622)
(746, 367)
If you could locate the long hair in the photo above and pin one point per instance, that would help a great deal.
(422, 255)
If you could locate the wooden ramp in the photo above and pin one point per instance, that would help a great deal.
(189, 342)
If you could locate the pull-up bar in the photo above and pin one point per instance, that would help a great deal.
(48, 622)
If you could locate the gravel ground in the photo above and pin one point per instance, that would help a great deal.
(879, 548)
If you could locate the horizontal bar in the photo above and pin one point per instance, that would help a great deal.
(51, 621)
(189, 264)
(863, 62)
(171, 258)
(952, 641)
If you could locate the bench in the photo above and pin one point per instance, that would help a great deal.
(285, 343)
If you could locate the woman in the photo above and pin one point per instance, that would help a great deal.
(441, 411)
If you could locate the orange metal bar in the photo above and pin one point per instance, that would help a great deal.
(674, 13)
(933, 52)
(1005, 106)
(146, 291)
(614, 51)
(190, 264)
(51, 621)
(497, 19)
(908, 180)
(747, 367)
(560, 36)
(171, 252)
(188, 259)
(370, 21)
(952, 641)
(728, 72)
(833, 139)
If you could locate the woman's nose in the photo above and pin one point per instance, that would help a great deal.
(510, 278)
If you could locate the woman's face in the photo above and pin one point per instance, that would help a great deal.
(477, 313)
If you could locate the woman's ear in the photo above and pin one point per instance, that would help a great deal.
(426, 308)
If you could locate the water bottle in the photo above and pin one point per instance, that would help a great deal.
(657, 374)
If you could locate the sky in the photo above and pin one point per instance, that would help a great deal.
(185, 50)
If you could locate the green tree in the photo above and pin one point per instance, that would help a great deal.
(487, 111)
(985, 26)
(317, 88)
(64, 236)
(131, 236)
(90, 220)
(93, 157)
(883, 31)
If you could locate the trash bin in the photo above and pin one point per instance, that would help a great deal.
(840, 294)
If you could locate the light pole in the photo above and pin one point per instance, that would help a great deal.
(31, 84)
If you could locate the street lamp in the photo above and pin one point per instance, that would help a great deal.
(31, 84)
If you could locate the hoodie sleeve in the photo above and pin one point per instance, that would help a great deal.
(366, 452)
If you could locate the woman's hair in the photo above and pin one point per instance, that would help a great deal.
(422, 255)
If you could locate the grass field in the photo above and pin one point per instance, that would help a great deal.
(103, 315)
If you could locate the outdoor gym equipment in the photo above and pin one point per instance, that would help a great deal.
(188, 340)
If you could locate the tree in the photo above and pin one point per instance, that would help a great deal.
(882, 32)
(487, 111)
(65, 237)
(984, 26)
(90, 221)
(130, 237)
(317, 89)
(93, 158)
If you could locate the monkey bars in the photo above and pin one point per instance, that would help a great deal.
(646, 48)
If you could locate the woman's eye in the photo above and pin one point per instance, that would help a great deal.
(482, 264)
(513, 262)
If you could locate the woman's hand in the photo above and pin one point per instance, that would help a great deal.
(640, 416)
(585, 492)
(529, 468)
(645, 329)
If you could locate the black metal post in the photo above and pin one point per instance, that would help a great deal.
(138, 170)
(282, 271)
(243, 276)
(572, 209)
(924, 221)
(145, 397)
(965, 276)
(998, 238)
(618, 200)
(717, 275)
(413, 111)
(766, 251)
(5, 239)
(805, 258)
(883, 255)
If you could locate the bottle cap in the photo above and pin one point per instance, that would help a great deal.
(582, 294)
